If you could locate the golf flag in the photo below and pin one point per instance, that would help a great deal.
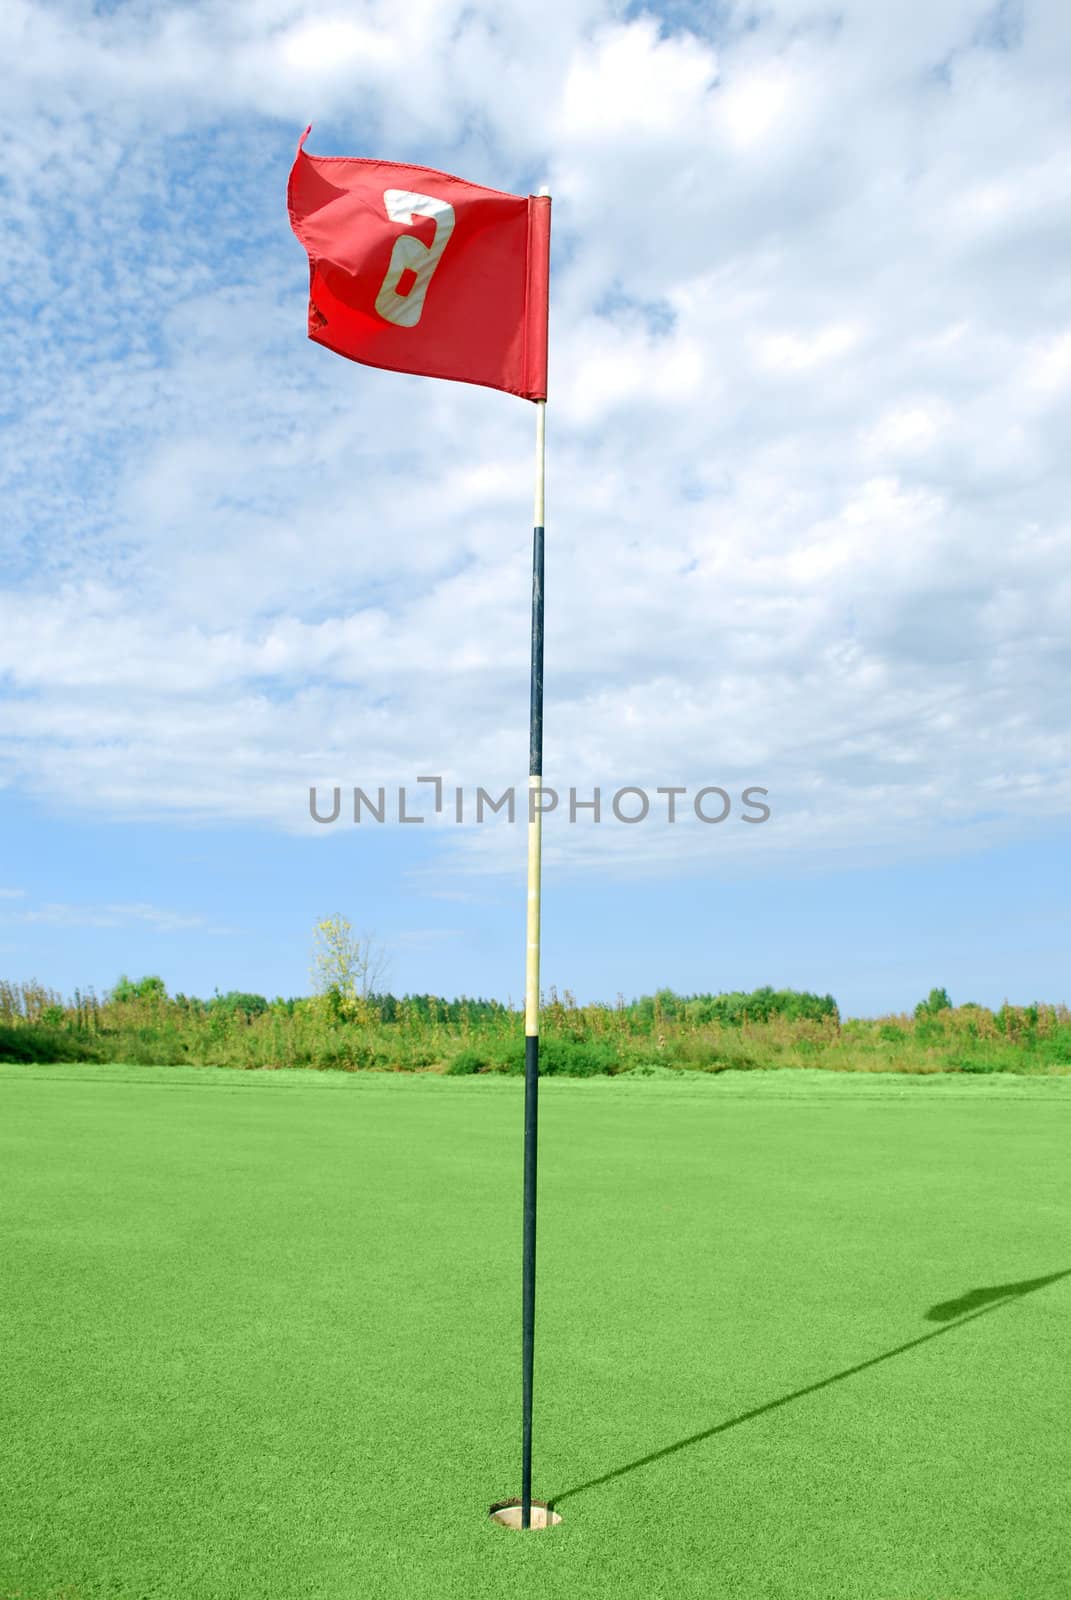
(416, 271)
(419, 272)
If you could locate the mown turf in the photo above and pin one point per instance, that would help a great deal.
(260, 1337)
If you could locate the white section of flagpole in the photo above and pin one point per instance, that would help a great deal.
(541, 460)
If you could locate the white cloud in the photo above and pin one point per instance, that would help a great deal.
(804, 352)
(336, 45)
(810, 390)
(754, 106)
(631, 82)
(59, 915)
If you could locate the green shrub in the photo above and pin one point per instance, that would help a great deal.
(937, 1000)
(145, 989)
(468, 1061)
(576, 1058)
(44, 1044)
(1059, 1046)
(488, 1055)
(559, 1056)
(235, 1003)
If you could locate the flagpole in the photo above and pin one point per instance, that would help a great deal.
(531, 984)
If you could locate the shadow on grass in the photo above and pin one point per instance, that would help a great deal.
(974, 1298)
(976, 1303)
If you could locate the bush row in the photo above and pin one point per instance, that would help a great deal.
(140, 1023)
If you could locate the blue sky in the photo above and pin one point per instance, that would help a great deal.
(807, 499)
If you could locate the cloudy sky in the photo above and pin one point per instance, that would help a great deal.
(808, 487)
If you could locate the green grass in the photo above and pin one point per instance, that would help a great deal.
(260, 1336)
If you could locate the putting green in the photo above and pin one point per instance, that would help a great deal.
(798, 1334)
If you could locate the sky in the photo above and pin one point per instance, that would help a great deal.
(807, 501)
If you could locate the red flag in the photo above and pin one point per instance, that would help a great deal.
(417, 271)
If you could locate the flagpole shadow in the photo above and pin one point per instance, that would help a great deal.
(955, 1313)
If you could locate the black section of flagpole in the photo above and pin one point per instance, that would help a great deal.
(531, 1118)
(531, 1069)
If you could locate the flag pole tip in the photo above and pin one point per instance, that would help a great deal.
(543, 190)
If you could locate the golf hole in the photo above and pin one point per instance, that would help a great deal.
(507, 1513)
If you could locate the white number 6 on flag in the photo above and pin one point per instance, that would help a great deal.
(411, 256)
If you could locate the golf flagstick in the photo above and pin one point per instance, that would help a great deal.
(531, 974)
(376, 233)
